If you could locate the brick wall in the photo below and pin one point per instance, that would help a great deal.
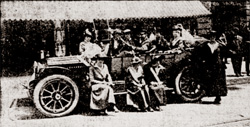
(203, 25)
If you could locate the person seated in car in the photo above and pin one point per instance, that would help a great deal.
(161, 43)
(102, 94)
(186, 35)
(87, 48)
(152, 72)
(116, 43)
(144, 44)
(176, 43)
(137, 97)
(128, 45)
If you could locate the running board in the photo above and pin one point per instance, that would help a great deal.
(165, 88)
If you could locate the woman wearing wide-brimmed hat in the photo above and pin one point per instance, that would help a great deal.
(176, 43)
(87, 48)
(153, 72)
(116, 43)
(211, 68)
(102, 94)
(137, 97)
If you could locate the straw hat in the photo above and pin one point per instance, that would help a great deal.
(87, 33)
(117, 31)
(127, 31)
(176, 27)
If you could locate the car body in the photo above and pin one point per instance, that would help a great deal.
(60, 82)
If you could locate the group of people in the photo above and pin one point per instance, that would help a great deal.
(122, 43)
(237, 49)
(144, 84)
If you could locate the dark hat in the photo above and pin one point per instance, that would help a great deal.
(175, 27)
(105, 40)
(117, 31)
(143, 31)
(157, 58)
(100, 56)
(212, 33)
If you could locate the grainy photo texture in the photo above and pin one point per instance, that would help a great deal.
(125, 63)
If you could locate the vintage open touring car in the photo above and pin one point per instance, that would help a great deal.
(61, 82)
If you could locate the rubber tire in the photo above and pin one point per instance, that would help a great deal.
(40, 85)
(178, 90)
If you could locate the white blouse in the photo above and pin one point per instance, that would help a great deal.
(89, 49)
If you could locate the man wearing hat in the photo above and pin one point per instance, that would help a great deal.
(128, 44)
(236, 49)
(160, 42)
(116, 43)
(88, 49)
(144, 43)
(137, 97)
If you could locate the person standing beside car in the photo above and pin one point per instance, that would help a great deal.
(210, 68)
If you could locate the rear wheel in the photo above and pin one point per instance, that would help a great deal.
(187, 86)
(56, 95)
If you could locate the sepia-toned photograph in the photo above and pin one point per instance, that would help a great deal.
(119, 63)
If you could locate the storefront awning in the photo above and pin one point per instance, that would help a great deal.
(89, 10)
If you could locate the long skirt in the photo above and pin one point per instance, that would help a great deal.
(138, 99)
(214, 80)
(156, 95)
(101, 96)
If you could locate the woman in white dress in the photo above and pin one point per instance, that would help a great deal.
(88, 49)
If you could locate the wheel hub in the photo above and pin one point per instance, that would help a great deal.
(57, 96)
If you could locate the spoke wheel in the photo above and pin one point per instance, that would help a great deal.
(56, 95)
(187, 86)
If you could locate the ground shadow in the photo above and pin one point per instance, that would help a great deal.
(25, 108)
(207, 102)
(233, 88)
(231, 76)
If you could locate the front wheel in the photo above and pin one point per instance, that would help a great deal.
(56, 95)
(187, 87)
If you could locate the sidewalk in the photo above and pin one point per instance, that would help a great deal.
(232, 79)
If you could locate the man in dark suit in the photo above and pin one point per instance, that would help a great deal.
(246, 48)
(236, 50)
(116, 43)
(247, 57)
